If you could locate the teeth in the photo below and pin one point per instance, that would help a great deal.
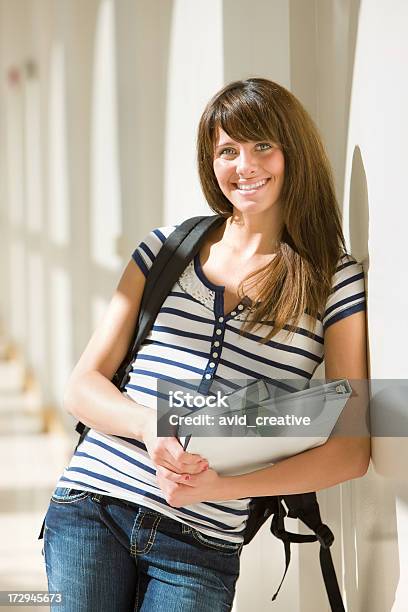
(252, 185)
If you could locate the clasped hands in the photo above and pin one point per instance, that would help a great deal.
(184, 478)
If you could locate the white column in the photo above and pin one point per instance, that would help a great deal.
(195, 73)
(142, 50)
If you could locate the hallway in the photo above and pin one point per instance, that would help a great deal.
(31, 461)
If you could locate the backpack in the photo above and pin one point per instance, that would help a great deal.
(177, 251)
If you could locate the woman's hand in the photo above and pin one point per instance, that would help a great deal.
(168, 453)
(185, 489)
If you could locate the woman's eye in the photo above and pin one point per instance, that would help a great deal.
(229, 151)
(264, 146)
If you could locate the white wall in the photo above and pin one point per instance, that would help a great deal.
(379, 127)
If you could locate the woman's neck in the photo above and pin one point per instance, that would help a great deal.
(250, 235)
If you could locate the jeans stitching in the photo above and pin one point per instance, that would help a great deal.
(152, 535)
(70, 499)
(97, 497)
(133, 536)
(45, 544)
(226, 548)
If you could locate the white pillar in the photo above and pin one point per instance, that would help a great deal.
(195, 73)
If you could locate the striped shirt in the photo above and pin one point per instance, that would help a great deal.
(193, 338)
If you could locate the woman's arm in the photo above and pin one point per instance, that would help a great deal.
(92, 398)
(341, 458)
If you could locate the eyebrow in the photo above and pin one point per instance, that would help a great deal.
(225, 144)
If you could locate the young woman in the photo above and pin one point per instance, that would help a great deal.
(135, 522)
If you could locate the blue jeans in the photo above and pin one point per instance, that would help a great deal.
(104, 555)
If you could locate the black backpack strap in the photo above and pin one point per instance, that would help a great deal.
(198, 225)
(173, 258)
(175, 254)
(330, 580)
(259, 510)
(306, 508)
(278, 530)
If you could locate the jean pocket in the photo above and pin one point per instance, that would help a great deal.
(224, 546)
(66, 495)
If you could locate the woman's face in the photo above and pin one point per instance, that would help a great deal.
(250, 174)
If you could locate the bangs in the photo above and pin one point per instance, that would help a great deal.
(244, 116)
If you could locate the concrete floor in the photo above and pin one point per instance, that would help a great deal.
(30, 466)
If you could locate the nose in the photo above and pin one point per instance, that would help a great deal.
(245, 164)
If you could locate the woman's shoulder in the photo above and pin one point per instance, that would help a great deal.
(160, 233)
(147, 250)
(345, 256)
(347, 266)
(347, 293)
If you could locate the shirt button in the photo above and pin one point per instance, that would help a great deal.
(216, 343)
(207, 376)
(218, 332)
(233, 313)
(212, 365)
(240, 307)
(221, 319)
(215, 355)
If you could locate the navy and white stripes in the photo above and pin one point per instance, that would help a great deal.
(193, 338)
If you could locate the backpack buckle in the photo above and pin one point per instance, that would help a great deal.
(324, 536)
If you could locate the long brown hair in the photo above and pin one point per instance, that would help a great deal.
(299, 277)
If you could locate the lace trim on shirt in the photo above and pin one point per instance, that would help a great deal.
(191, 284)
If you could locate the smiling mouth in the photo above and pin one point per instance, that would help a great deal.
(251, 186)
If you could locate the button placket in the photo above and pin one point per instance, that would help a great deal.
(220, 322)
(214, 357)
(216, 344)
